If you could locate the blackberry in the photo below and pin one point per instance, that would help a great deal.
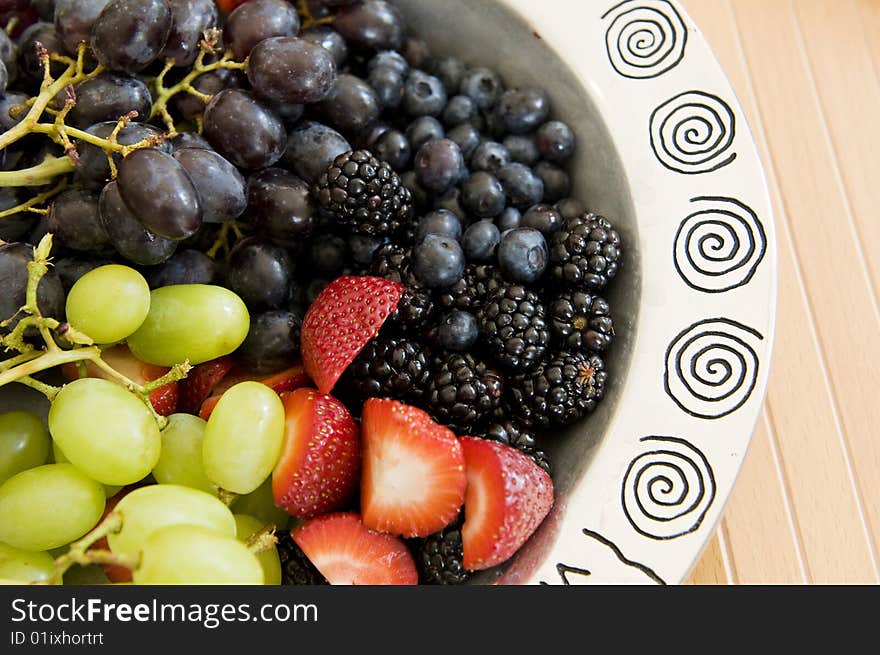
(394, 262)
(516, 435)
(361, 191)
(462, 392)
(439, 558)
(561, 391)
(471, 292)
(389, 368)
(296, 569)
(414, 311)
(513, 327)
(581, 321)
(586, 253)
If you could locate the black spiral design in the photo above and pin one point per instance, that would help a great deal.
(667, 488)
(693, 133)
(712, 367)
(720, 245)
(645, 39)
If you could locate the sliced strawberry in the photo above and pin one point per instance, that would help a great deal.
(414, 480)
(164, 400)
(508, 496)
(343, 319)
(201, 382)
(347, 552)
(320, 465)
(285, 381)
(114, 572)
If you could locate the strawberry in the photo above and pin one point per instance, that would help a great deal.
(287, 380)
(319, 468)
(508, 496)
(201, 382)
(414, 478)
(164, 399)
(347, 552)
(343, 319)
(114, 572)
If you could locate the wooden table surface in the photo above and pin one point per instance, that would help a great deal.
(806, 508)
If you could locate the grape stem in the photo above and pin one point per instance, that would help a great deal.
(262, 540)
(308, 18)
(43, 173)
(222, 242)
(164, 94)
(79, 552)
(31, 205)
(227, 497)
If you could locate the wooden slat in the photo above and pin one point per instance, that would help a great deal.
(869, 19)
(710, 569)
(814, 474)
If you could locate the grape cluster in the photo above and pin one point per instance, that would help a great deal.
(179, 180)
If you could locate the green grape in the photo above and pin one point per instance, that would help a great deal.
(244, 437)
(194, 322)
(105, 431)
(147, 509)
(190, 555)
(268, 559)
(24, 565)
(89, 575)
(60, 458)
(24, 443)
(109, 303)
(261, 504)
(48, 506)
(181, 458)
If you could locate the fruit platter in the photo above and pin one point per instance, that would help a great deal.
(371, 292)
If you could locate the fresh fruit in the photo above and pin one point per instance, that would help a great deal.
(180, 460)
(191, 555)
(48, 506)
(586, 253)
(296, 568)
(389, 368)
(522, 254)
(270, 64)
(319, 468)
(200, 383)
(190, 322)
(463, 392)
(581, 321)
(508, 496)
(261, 505)
(513, 327)
(440, 556)
(343, 318)
(287, 380)
(109, 303)
(438, 261)
(246, 526)
(24, 443)
(348, 553)
(164, 399)
(515, 434)
(413, 481)
(148, 509)
(105, 431)
(244, 437)
(25, 566)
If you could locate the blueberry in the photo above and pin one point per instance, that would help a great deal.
(522, 149)
(459, 109)
(329, 253)
(314, 288)
(483, 86)
(570, 208)
(368, 137)
(422, 130)
(439, 221)
(522, 186)
(389, 59)
(362, 248)
(480, 241)
(466, 136)
(394, 148)
(510, 219)
(490, 156)
(450, 71)
(557, 183)
(523, 255)
(388, 85)
(458, 332)
(439, 164)
(438, 261)
(451, 200)
(416, 51)
(311, 148)
(423, 95)
(555, 141)
(419, 195)
(543, 218)
(482, 195)
(522, 110)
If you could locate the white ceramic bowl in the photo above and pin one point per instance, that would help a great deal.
(666, 154)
